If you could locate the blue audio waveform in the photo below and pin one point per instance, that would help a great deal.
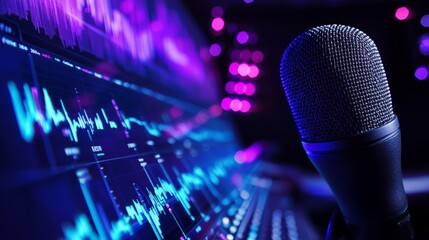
(28, 112)
(157, 201)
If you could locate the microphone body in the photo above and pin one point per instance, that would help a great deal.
(337, 89)
(364, 172)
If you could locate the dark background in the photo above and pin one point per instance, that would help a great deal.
(277, 23)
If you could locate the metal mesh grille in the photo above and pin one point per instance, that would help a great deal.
(335, 83)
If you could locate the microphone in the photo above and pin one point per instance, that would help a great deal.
(337, 89)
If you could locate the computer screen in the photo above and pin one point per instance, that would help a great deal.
(111, 124)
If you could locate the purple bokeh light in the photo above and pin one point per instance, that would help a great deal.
(250, 89)
(242, 37)
(424, 21)
(215, 50)
(217, 12)
(257, 56)
(229, 87)
(424, 44)
(245, 55)
(421, 73)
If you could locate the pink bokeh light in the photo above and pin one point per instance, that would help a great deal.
(218, 24)
(215, 50)
(245, 106)
(235, 105)
(243, 69)
(253, 71)
(250, 89)
(233, 68)
(240, 88)
(402, 13)
(226, 103)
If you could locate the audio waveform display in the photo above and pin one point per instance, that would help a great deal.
(158, 204)
(133, 34)
(111, 126)
(29, 112)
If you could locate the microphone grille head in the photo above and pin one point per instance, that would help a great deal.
(335, 83)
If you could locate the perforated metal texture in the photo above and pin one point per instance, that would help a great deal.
(335, 83)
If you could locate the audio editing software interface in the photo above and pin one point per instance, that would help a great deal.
(111, 127)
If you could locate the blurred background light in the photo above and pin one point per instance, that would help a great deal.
(218, 24)
(424, 44)
(217, 12)
(424, 21)
(402, 13)
(215, 50)
(242, 37)
(257, 56)
(233, 68)
(421, 73)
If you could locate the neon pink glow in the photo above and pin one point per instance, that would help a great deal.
(242, 37)
(226, 103)
(253, 71)
(245, 106)
(421, 73)
(425, 20)
(402, 13)
(215, 110)
(245, 55)
(240, 88)
(217, 12)
(257, 56)
(215, 49)
(249, 154)
(250, 89)
(229, 87)
(235, 105)
(243, 69)
(233, 68)
(218, 24)
(240, 157)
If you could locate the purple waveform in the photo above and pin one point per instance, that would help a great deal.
(134, 34)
